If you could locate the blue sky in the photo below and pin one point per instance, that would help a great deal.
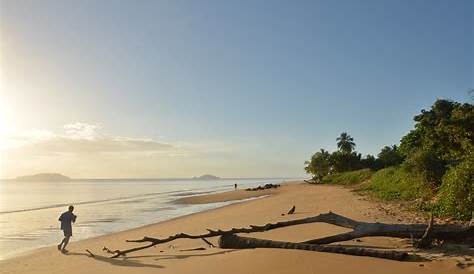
(256, 85)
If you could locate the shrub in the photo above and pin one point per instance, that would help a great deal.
(319, 165)
(395, 183)
(348, 178)
(427, 165)
(390, 156)
(456, 195)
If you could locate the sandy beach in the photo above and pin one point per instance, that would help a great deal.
(309, 200)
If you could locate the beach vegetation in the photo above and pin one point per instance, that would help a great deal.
(394, 183)
(456, 195)
(389, 156)
(349, 177)
(319, 165)
(433, 163)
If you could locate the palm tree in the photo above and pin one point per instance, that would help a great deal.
(345, 143)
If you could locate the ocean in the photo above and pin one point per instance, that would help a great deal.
(29, 211)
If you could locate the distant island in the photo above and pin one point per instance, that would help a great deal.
(46, 177)
(206, 177)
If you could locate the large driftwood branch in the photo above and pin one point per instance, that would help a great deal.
(330, 218)
(451, 232)
(238, 242)
(360, 229)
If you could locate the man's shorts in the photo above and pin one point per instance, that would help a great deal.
(67, 232)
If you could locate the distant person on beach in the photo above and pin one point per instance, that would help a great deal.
(235, 186)
(66, 219)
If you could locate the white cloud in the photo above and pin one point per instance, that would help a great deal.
(79, 138)
(82, 150)
(81, 130)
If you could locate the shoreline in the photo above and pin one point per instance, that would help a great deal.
(309, 201)
(227, 196)
(214, 198)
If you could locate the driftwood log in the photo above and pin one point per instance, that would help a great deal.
(452, 232)
(238, 242)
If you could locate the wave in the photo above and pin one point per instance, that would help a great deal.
(123, 198)
(175, 193)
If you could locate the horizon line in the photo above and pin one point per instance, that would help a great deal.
(162, 179)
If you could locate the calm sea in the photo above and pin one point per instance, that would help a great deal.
(29, 211)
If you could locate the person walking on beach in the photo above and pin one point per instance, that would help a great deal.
(66, 219)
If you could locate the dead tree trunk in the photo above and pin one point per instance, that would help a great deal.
(238, 242)
(453, 232)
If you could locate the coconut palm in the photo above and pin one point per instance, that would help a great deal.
(345, 143)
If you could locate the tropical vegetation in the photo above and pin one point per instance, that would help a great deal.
(433, 164)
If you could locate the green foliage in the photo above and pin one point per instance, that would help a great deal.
(371, 162)
(446, 131)
(434, 160)
(341, 161)
(323, 163)
(319, 165)
(394, 183)
(348, 178)
(389, 156)
(456, 196)
(345, 143)
(427, 165)
(410, 143)
(460, 130)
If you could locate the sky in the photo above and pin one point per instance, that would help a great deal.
(122, 89)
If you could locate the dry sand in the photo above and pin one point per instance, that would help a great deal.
(167, 258)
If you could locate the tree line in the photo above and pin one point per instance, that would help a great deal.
(438, 151)
(344, 159)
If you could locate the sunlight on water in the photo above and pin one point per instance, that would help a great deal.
(29, 211)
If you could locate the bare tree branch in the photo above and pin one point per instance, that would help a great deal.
(234, 241)
(360, 229)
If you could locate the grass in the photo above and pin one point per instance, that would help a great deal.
(454, 198)
(348, 178)
(394, 183)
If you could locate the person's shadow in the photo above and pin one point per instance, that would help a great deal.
(116, 261)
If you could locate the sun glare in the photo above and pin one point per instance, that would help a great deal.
(6, 123)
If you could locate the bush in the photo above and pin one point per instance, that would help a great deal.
(319, 165)
(395, 183)
(348, 178)
(390, 156)
(427, 165)
(456, 195)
